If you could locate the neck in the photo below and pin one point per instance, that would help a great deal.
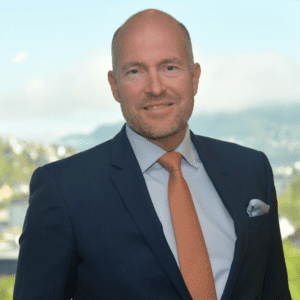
(169, 143)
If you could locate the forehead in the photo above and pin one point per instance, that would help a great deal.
(150, 42)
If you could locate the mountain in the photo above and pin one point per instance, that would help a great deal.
(274, 130)
(83, 142)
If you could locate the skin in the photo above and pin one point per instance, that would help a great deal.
(149, 38)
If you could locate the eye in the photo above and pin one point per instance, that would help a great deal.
(171, 67)
(133, 71)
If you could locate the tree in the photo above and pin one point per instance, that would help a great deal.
(289, 201)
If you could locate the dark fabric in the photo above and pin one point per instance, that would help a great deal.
(91, 231)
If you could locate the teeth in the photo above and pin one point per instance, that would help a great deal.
(153, 107)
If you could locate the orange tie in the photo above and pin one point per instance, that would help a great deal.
(193, 256)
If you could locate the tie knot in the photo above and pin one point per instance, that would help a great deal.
(171, 161)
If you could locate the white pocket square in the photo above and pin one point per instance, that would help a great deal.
(257, 207)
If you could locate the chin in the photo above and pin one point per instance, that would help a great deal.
(160, 133)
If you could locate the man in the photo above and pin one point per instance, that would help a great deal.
(117, 222)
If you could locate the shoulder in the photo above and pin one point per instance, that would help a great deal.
(236, 155)
(228, 149)
(96, 159)
(246, 164)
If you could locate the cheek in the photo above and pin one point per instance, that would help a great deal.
(131, 96)
(128, 103)
(182, 85)
(129, 91)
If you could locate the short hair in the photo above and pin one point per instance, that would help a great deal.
(188, 43)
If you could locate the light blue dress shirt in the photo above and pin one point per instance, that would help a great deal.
(215, 221)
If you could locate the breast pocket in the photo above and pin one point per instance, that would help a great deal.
(259, 234)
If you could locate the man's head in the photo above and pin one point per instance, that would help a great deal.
(153, 65)
(188, 41)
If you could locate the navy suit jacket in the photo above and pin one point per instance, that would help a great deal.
(91, 231)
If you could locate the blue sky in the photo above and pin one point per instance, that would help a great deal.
(55, 57)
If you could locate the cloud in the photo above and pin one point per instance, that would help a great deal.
(80, 85)
(21, 56)
(227, 82)
(238, 81)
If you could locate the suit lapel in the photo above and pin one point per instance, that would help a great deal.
(221, 174)
(130, 183)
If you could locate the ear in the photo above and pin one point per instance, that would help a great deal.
(196, 75)
(113, 85)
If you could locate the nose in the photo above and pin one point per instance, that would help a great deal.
(154, 84)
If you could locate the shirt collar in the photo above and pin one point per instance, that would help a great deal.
(147, 153)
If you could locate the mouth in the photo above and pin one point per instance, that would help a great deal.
(150, 107)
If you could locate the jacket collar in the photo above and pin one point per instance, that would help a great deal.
(131, 185)
(222, 176)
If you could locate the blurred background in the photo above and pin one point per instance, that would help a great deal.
(55, 99)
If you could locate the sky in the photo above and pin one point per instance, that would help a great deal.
(54, 59)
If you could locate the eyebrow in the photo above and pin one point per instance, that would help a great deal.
(164, 61)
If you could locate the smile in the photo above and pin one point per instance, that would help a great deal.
(159, 106)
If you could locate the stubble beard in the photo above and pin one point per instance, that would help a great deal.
(148, 131)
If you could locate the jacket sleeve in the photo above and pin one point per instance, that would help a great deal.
(276, 280)
(47, 260)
